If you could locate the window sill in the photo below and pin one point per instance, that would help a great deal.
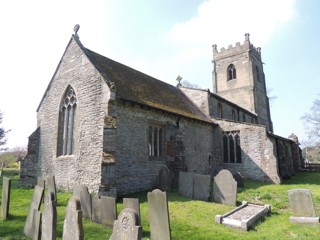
(65, 157)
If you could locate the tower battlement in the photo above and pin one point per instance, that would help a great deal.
(237, 49)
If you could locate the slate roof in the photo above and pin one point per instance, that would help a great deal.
(137, 87)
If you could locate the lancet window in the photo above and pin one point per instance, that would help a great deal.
(231, 147)
(67, 119)
(156, 138)
(231, 71)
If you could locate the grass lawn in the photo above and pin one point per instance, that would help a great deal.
(189, 219)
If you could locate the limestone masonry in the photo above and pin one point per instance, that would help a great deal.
(112, 128)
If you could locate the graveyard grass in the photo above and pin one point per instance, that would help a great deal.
(189, 219)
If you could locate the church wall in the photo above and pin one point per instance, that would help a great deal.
(258, 155)
(184, 141)
(84, 166)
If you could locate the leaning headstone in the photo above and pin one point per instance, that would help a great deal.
(134, 204)
(5, 199)
(51, 182)
(239, 178)
(302, 206)
(159, 215)
(225, 188)
(83, 194)
(127, 226)
(72, 226)
(41, 183)
(165, 179)
(49, 219)
(104, 210)
(31, 227)
(201, 187)
(186, 184)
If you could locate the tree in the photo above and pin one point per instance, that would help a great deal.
(312, 122)
(9, 158)
(3, 139)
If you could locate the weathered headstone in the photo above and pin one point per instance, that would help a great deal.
(159, 215)
(201, 187)
(239, 178)
(186, 184)
(104, 210)
(72, 226)
(134, 204)
(127, 226)
(165, 179)
(225, 188)
(49, 218)
(1, 169)
(31, 227)
(41, 182)
(83, 194)
(302, 206)
(5, 199)
(51, 182)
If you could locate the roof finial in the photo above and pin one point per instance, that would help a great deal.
(247, 37)
(76, 29)
(179, 78)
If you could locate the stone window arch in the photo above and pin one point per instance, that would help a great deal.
(231, 72)
(156, 139)
(231, 147)
(66, 125)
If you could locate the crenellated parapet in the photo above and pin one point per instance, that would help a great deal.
(237, 49)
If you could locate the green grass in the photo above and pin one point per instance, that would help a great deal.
(189, 219)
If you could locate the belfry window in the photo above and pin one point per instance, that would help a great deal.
(231, 72)
(67, 119)
(231, 147)
(156, 133)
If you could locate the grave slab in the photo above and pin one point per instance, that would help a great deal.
(244, 216)
(83, 194)
(133, 203)
(201, 187)
(49, 218)
(186, 184)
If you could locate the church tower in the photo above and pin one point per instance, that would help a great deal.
(238, 77)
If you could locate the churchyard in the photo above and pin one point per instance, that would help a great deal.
(189, 219)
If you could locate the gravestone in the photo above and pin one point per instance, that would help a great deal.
(225, 188)
(72, 226)
(127, 226)
(239, 178)
(186, 184)
(165, 179)
(5, 199)
(31, 227)
(104, 210)
(134, 204)
(302, 206)
(83, 194)
(41, 182)
(159, 215)
(1, 169)
(51, 182)
(201, 187)
(49, 218)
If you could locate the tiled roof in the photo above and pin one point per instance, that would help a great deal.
(134, 86)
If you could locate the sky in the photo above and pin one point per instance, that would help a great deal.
(164, 39)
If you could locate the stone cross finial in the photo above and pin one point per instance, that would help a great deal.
(179, 78)
(76, 29)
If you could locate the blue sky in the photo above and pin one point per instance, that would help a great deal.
(162, 38)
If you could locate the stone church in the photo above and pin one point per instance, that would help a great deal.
(113, 128)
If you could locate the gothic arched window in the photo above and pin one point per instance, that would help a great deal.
(67, 119)
(231, 147)
(231, 71)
